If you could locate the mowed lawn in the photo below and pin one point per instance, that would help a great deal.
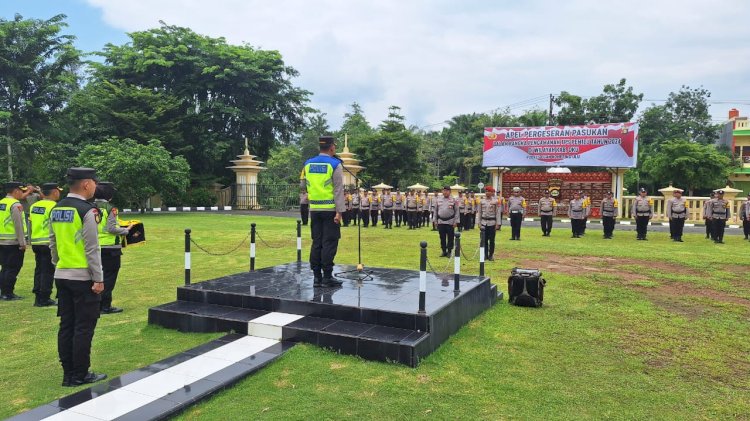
(629, 330)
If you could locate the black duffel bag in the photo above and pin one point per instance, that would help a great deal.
(526, 287)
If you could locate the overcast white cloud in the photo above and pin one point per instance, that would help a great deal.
(440, 58)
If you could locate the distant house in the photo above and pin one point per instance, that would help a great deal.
(735, 134)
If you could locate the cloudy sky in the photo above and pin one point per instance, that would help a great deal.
(439, 58)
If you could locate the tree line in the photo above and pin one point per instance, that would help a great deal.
(167, 110)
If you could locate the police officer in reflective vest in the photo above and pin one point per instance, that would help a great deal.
(44, 271)
(325, 187)
(74, 243)
(12, 238)
(110, 242)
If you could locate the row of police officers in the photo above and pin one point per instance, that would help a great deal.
(76, 241)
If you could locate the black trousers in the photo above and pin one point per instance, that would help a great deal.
(411, 218)
(489, 240)
(641, 226)
(388, 217)
(718, 226)
(467, 221)
(304, 212)
(111, 260)
(472, 220)
(584, 225)
(447, 234)
(546, 224)
(374, 217)
(11, 259)
(78, 309)
(709, 229)
(399, 216)
(608, 223)
(515, 223)
(576, 226)
(364, 215)
(44, 272)
(676, 225)
(746, 228)
(325, 242)
(354, 216)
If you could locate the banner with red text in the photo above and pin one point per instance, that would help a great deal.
(612, 145)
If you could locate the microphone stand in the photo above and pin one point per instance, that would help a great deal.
(357, 180)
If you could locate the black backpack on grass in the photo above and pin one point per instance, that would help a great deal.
(526, 287)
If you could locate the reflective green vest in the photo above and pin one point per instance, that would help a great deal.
(105, 237)
(7, 229)
(319, 180)
(67, 225)
(39, 216)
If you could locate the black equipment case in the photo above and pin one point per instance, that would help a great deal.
(526, 287)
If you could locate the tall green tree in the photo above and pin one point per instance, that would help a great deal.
(685, 115)
(215, 94)
(38, 73)
(139, 171)
(316, 125)
(617, 103)
(283, 166)
(391, 154)
(688, 164)
(356, 126)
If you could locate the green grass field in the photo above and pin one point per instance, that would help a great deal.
(629, 330)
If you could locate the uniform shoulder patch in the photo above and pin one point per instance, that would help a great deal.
(97, 215)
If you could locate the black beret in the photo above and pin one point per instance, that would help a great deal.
(446, 187)
(80, 173)
(326, 140)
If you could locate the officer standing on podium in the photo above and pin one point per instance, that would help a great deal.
(74, 244)
(324, 176)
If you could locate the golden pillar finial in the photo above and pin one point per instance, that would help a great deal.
(247, 149)
(346, 142)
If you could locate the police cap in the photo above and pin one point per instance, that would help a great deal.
(609, 193)
(446, 187)
(678, 191)
(11, 185)
(104, 190)
(642, 190)
(720, 192)
(489, 189)
(48, 187)
(80, 173)
(326, 141)
(516, 189)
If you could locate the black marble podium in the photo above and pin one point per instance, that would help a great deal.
(374, 314)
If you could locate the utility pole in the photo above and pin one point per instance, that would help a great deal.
(551, 102)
